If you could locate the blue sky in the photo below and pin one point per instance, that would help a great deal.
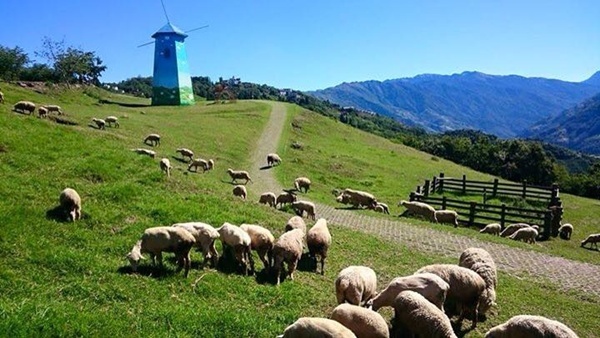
(310, 45)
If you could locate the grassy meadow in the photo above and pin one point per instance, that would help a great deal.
(72, 279)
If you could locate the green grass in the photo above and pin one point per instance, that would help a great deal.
(72, 279)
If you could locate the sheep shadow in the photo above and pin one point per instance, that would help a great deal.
(180, 160)
(265, 167)
(23, 113)
(124, 104)
(232, 183)
(93, 126)
(58, 214)
(307, 263)
(591, 248)
(265, 276)
(228, 265)
(149, 270)
(348, 208)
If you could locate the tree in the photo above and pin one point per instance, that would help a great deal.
(12, 62)
(38, 72)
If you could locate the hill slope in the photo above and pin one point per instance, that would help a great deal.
(500, 105)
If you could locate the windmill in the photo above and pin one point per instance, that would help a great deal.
(171, 81)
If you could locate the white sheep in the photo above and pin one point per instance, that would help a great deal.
(165, 165)
(313, 327)
(480, 261)
(273, 159)
(239, 175)
(318, 240)
(24, 106)
(157, 240)
(524, 326)
(527, 234)
(302, 182)
(512, 228)
(54, 108)
(152, 140)
(211, 164)
(112, 121)
(267, 198)
(295, 222)
(357, 198)
(143, 151)
(1, 97)
(420, 209)
(364, 323)
(355, 285)
(238, 239)
(42, 112)
(199, 162)
(382, 208)
(304, 206)
(185, 152)
(285, 198)
(70, 203)
(205, 236)
(593, 239)
(429, 285)
(288, 249)
(262, 241)
(565, 231)
(240, 191)
(466, 289)
(492, 228)
(447, 216)
(414, 313)
(100, 123)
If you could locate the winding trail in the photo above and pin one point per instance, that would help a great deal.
(565, 273)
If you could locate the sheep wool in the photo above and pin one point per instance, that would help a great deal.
(262, 241)
(288, 249)
(355, 285)
(318, 240)
(415, 314)
(429, 285)
(70, 203)
(205, 236)
(363, 322)
(312, 327)
(524, 326)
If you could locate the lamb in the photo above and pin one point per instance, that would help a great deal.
(318, 240)
(295, 222)
(239, 175)
(205, 236)
(447, 216)
(273, 159)
(199, 162)
(152, 140)
(1, 97)
(414, 313)
(429, 285)
(357, 198)
(143, 151)
(302, 182)
(240, 191)
(364, 323)
(110, 120)
(70, 203)
(301, 206)
(480, 261)
(42, 112)
(382, 208)
(286, 198)
(267, 198)
(312, 327)
(565, 231)
(24, 106)
(233, 236)
(100, 123)
(185, 152)
(420, 209)
(288, 249)
(262, 241)
(492, 228)
(355, 285)
(593, 239)
(512, 228)
(466, 289)
(54, 108)
(523, 326)
(157, 240)
(527, 234)
(165, 165)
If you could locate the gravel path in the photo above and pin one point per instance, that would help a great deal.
(567, 274)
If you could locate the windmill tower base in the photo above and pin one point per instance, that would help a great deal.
(178, 96)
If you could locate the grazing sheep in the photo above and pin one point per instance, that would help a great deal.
(70, 203)
(286, 198)
(157, 240)
(301, 206)
(302, 182)
(492, 228)
(356, 285)
(239, 175)
(429, 285)
(288, 249)
(165, 165)
(205, 236)
(480, 261)
(447, 216)
(466, 289)
(211, 164)
(318, 240)
(420, 209)
(593, 239)
(262, 241)
(357, 198)
(1, 97)
(565, 231)
(524, 326)
(240, 191)
(382, 208)
(199, 162)
(24, 106)
(54, 108)
(364, 323)
(143, 151)
(100, 123)
(415, 314)
(273, 159)
(42, 112)
(233, 236)
(312, 327)
(112, 121)
(295, 222)
(185, 152)
(512, 228)
(267, 198)
(527, 235)
(152, 140)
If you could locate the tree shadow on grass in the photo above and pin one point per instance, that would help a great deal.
(124, 104)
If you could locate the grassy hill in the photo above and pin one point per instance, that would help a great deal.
(72, 279)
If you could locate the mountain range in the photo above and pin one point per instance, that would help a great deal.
(505, 106)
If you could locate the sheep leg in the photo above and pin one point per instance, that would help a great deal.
(153, 256)
(159, 257)
(322, 265)
(292, 267)
(262, 255)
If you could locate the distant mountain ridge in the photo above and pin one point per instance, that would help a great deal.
(501, 105)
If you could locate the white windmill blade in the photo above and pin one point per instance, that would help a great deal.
(146, 44)
(195, 29)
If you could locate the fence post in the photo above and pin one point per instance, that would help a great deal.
(444, 203)
(426, 188)
(411, 197)
(503, 216)
(495, 191)
(547, 224)
(524, 189)
(434, 183)
(555, 193)
(472, 213)
(419, 189)
(464, 184)
(441, 183)
(484, 196)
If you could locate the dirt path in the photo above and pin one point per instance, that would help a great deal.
(565, 273)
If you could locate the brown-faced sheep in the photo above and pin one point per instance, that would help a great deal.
(152, 140)
(240, 191)
(288, 249)
(304, 206)
(525, 326)
(24, 107)
(415, 315)
(364, 323)
(565, 231)
(70, 203)
(318, 240)
(273, 159)
(185, 152)
(239, 175)
(492, 228)
(312, 327)
(100, 123)
(355, 285)
(429, 285)
(302, 182)
(267, 198)
(592, 239)
(419, 209)
(42, 112)
(382, 208)
(285, 198)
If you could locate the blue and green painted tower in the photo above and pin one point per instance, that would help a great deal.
(172, 84)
